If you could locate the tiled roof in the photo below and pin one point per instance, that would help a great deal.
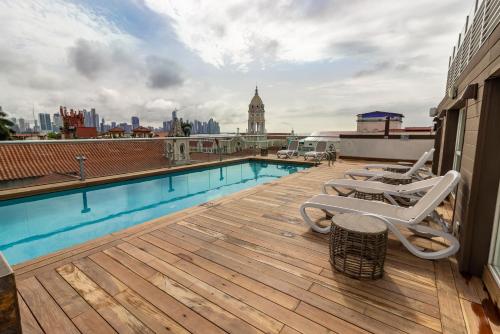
(28, 160)
(141, 129)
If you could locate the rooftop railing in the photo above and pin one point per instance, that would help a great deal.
(479, 24)
(42, 162)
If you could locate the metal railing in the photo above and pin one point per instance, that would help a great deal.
(479, 24)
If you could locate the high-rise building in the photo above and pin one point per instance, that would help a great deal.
(94, 117)
(113, 124)
(135, 122)
(45, 123)
(22, 125)
(56, 122)
(36, 128)
(167, 125)
(174, 114)
(87, 119)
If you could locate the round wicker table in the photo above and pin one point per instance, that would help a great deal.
(358, 245)
(396, 178)
(369, 194)
(395, 169)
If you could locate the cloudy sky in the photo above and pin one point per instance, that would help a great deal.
(317, 62)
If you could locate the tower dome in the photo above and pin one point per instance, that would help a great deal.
(256, 100)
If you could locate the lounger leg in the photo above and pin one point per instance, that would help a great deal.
(444, 253)
(308, 220)
(340, 193)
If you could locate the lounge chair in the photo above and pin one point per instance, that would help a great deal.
(409, 193)
(402, 166)
(291, 151)
(414, 171)
(392, 215)
(318, 153)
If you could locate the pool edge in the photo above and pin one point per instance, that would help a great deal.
(69, 185)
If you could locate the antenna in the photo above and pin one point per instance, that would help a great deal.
(34, 119)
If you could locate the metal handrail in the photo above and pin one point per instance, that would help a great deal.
(479, 25)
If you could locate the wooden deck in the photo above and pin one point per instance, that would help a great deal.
(244, 264)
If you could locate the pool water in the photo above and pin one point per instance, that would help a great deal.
(42, 224)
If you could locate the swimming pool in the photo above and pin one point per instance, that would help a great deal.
(42, 224)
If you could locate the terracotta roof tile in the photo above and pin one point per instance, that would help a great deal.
(28, 160)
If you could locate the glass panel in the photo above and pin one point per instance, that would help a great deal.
(495, 240)
(457, 159)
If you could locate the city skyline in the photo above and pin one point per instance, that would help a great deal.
(45, 123)
(313, 63)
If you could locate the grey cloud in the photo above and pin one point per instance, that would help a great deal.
(353, 48)
(377, 68)
(163, 73)
(89, 58)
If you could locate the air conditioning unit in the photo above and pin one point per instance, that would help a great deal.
(452, 92)
(433, 112)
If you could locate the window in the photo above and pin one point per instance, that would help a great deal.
(495, 243)
(459, 143)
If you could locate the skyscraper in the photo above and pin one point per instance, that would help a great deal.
(94, 118)
(135, 122)
(56, 122)
(22, 125)
(45, 123)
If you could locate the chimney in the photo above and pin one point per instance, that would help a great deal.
(387, 126)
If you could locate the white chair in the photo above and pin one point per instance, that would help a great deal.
(392, 215)
(291, 151)
(318, 153)
(410, 193)
(413, 171)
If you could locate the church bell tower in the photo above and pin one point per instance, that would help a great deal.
(256, 120)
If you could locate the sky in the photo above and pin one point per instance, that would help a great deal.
(317, 63)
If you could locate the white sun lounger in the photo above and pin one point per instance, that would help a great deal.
(377, 174)
(409, 192)
(291, 151)
(402, 166)
(392, 215)
(318, 153)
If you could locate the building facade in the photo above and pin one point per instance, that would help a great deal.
(256, 116)
(467, 138)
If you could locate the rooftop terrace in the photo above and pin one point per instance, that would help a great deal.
(246, 263)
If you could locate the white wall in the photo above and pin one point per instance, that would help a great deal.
(410, 149)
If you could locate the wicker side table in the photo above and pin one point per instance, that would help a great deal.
(358, 245)
(396, 178)
(369, 194)
(400, 170)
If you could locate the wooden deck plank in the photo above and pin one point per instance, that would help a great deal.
(29, 324)
(452, 317)
(49, 315)
(182, 314)
(114, 313)
(245, 264)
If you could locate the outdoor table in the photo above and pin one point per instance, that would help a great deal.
(369, 194)
(396, 178)
(358, 245)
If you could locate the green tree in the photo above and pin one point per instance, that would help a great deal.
(53, 135)
(5, 127)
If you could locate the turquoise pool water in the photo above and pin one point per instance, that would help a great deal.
(39, 225)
